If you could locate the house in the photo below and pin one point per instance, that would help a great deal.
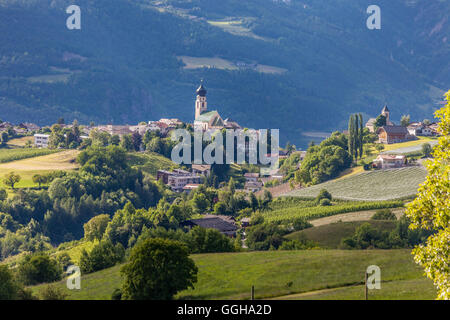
(223, 224)
(177, 182)
(115, 129)
(245, 222)
(253, 186)
(251, 177)
(191, 186)
(41, 140)
(178, 179)
(386, 161)
(203, 169)
(415, 128)
(393, 134)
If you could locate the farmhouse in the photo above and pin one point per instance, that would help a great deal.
(385, 161)
(393, 134)
(223, 224)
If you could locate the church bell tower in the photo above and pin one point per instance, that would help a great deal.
(200, 102)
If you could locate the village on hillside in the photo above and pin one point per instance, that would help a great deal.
(179, 180)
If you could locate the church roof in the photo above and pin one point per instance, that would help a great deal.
(207, 116)
(201, 91)
(385, 109)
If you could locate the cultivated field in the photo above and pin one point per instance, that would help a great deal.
(309, 210)
(8, 155)
(231, 275)
(370, 186)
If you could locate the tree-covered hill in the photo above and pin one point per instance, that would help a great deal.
(124, 65)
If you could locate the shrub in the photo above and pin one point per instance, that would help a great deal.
(325, 202)
(39, 268)
(102, 256)
(51, 292)
(323, 194)
(384, 214)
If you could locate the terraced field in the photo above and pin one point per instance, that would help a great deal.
(370, 186)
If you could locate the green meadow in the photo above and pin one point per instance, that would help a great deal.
(231, 275)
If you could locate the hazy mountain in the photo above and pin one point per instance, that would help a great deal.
(300, 66)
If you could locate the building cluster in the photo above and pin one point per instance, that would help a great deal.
(392, 133)
(181, 180)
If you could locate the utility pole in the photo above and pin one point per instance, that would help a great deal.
(366, 290)
(253, 293)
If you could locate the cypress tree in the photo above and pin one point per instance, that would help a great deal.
(351, 133)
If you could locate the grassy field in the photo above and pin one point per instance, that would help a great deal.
(231, 275)
(150, 163)
(416, 289)
(330, 235)
(309, 210)
(26, 168)
(371, 185)
(20, 142)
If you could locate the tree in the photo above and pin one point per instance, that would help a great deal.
(39, 268)
(95, 228)
(155, 145)
(157, 270)
(11, 179)
(127, 142)
(4, 138)
(427, 149)
(8, 286)
(430, 210)
(351, 132)
(102, 256)
(39, 179)
(3, 194)
(51, 292)
(136, 139)
(405, 120)
(380, 121)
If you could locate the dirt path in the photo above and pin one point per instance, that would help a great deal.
(352, 216)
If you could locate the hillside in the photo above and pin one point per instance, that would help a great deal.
(370, 186)
(231, 275)
(142, 60)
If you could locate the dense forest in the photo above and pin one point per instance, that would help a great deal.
(122, 66)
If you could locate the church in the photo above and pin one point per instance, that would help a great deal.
(206, 120)
(371, 123)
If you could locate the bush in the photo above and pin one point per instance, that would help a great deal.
(323, 194)
(102, 256)
(52, 292)
(325, 202)
(384, 214)
(301, 224)
(39, 268)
